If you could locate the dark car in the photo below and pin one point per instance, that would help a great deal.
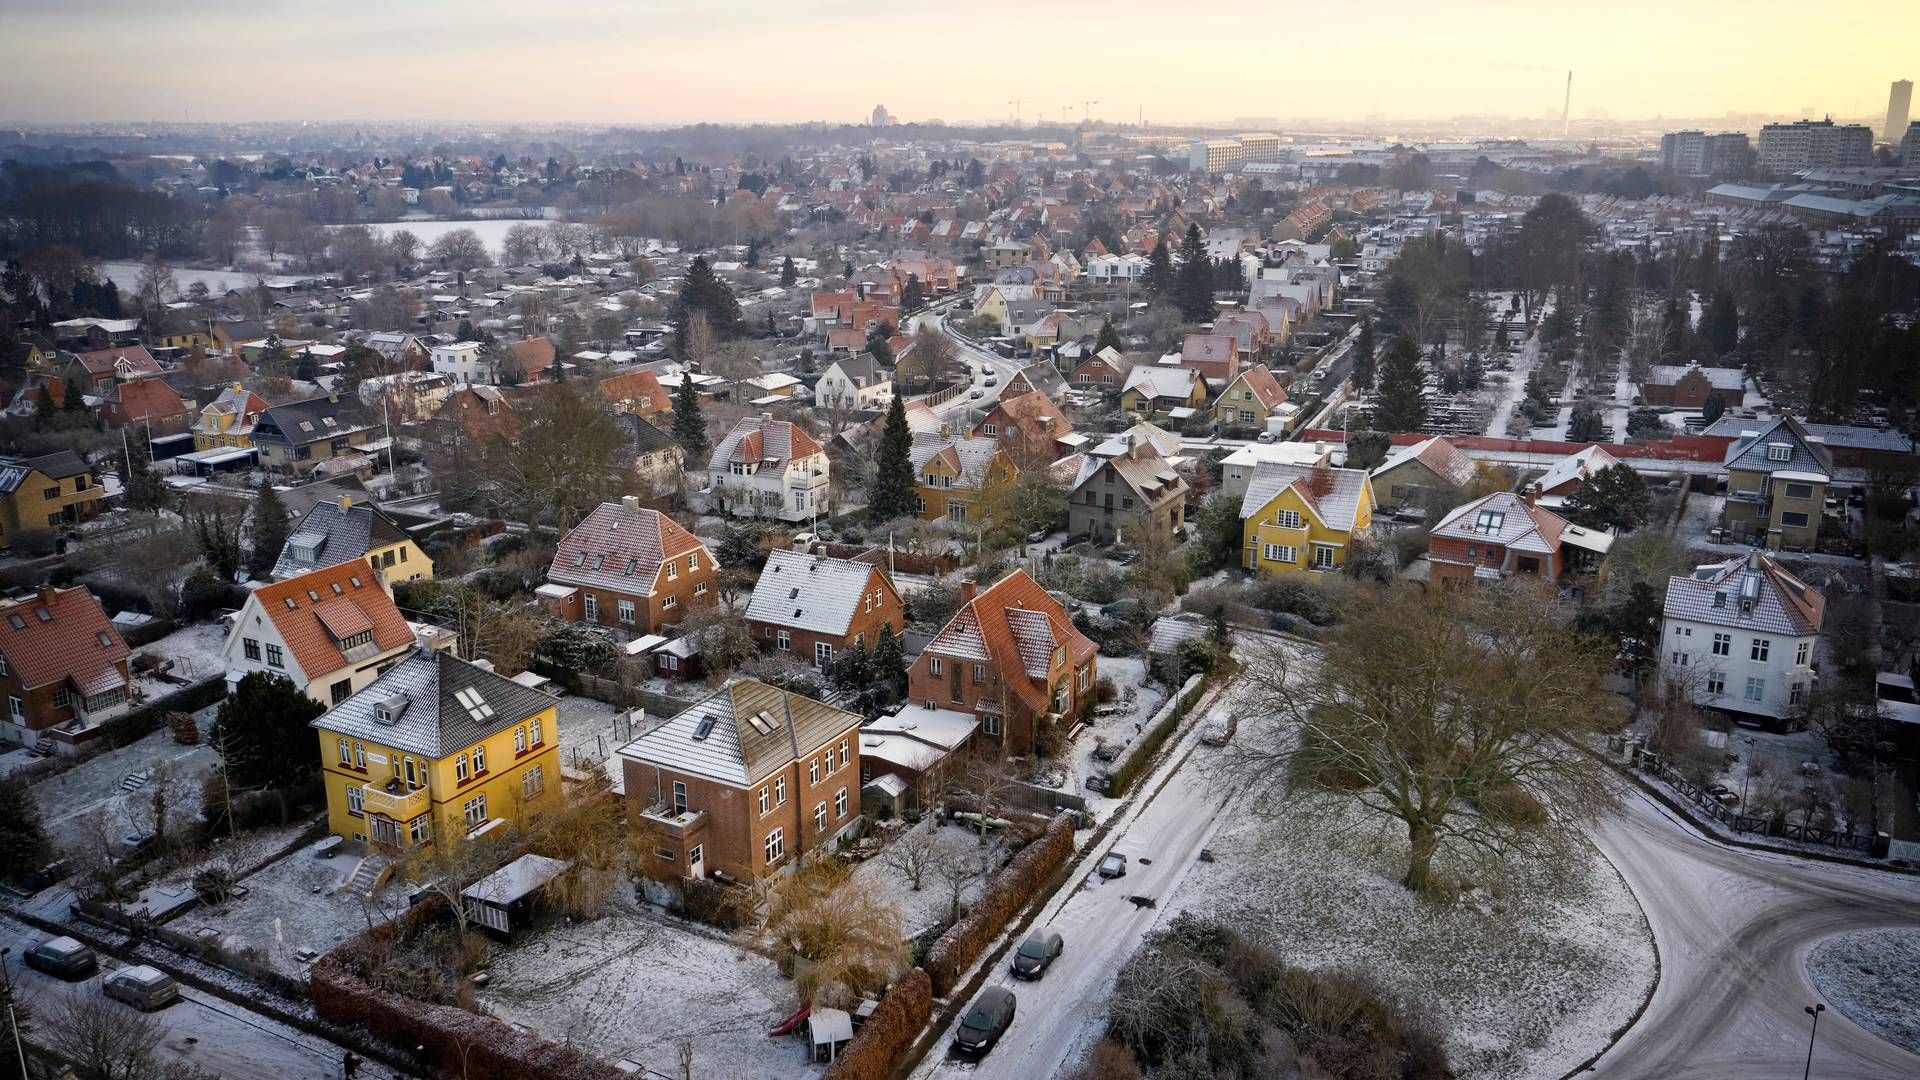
(1036, 954)
(63, 958)
(987, 1019)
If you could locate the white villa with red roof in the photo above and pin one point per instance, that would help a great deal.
(329, 631)
(768, 468)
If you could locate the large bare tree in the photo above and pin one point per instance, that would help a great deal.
(1456, 713)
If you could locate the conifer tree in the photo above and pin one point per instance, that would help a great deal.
(269, 529)
(892, 493)
(1363, 356)
(689, 427)
(1159, 278)
(1109, 337)
(1400, 406)
(1196, 279)
(788, 273)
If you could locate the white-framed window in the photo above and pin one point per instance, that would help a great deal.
(679, 797)
(820, 817)
(1084, 679)
(1761, 648)
(626, 611)
(460, 767)
(700, 589)
(476, 809)
(592, 607)
(421, 829)
(1797, 693)
(933, 666)
(346, 753)
(1779, 452)
(533, 782)
(843, 753)
(1801, 652)
(766, 800)
(670, 602)
(673, 571)
(520, 740)
(15, 707)
(990, 723)
(1756, 688)
(1723, 644)
(693, 562)
(534, 734)
(779, 791)
(822, 653)
(360, 756)
(1282, 553)
(776, 845)
(479, 760)
(813, 771)
(1716, 683)
(1287, 519)
(356, 803)
(1323, 556)
(783, 641)
(840, 804)
(664, 854)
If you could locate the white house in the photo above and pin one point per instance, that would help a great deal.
(1740, 636)
(855, 382)
(768, 468)
(460, 362)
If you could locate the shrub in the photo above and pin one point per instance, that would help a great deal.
(1170, 716)
(718, 905)
(1003, 897)
(1108, 1061)
(884, 1039)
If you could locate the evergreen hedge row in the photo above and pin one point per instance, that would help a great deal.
(887, 1035)
(1002, 899)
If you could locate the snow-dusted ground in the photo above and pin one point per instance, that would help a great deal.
(127, 276)
(195, 652)
(1870, 977)
(633, 986)
(590, 730)
(1125, 724)
(921, 911)
(68, 800)
(292, 904)
(1527, 981)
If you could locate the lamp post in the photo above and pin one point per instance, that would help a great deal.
(1747, 773)
(6, 988)
(1813, 1011)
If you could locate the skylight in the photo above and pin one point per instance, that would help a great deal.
(476, 706)
(762, 722)
(17, 622)
(43, 614)
(706, 727)
(105, 640)
(1490, 521)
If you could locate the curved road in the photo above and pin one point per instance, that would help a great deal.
(1733, 928)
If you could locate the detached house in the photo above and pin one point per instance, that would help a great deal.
(1303, 517)
(148, 404)
(744, 782)
(1212, 355)
(1505, 535)
(630, 568)
(1430, 466)
(1031, 427)
(768, 468)
(46, 492)
(1254, 400)
(334, 531)
(1740, 636)
(331, 631)
(63, 667)
(227, 421)
(437, 747)
(637, 392)
(1012, 658)
(1690, 386)
(956, 479)
(1105, 371)
(98, 369)
(1777, 481)
(1157, 391)
(816, 608)
(854, 384)
(1124, 491)
(295, 437)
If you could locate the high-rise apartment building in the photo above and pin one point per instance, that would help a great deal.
(1910, 145)
(1814, 144)
(1696, 153)
(1219, 155)
(1899, 100)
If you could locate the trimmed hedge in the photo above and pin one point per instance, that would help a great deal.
(1002, 899)
(456, 1041)
(1123, 777)
(887, 1035)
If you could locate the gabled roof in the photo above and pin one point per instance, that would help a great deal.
(303, 609)
(1720, 378)
(809, 592)
(135, 358)
(1505, 518)
(58, 465)
(242, 404)
(741, 733)
(1035, 414)
(1441, 457)
(758, 439)
(1014, 626)
(1576, 469)
(303, 422)
(438, 704)
(1207, 349)
(1751, 453)
(327, 536)
(643, 386)
(1753, 591)
(62, 634)
(967, 458)
(1162, 381)
(145, 399)
(1333, 495)
(620, 548)
(1266, 389)
(1140, 466)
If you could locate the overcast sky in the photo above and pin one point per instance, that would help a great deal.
(667, 61)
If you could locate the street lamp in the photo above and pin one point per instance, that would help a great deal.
(1813, 1011)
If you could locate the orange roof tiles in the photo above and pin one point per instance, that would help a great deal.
(305, 628)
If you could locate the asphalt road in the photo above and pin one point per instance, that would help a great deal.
(1733, 927)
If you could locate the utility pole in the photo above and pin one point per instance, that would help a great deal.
(6, 989)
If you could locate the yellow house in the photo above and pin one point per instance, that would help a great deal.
(337, 530)
(1156, 390)
(183, 339)
(959, 479)
(438, 747)
(1299, 517)
(1252, 400)
(227, 421)
(46, 492)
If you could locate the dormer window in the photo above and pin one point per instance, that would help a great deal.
(1779, 452)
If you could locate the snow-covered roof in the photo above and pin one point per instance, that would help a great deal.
(1754, 592)
(1577, 468)
(1332, 494)
(517, 880)
(740, 733)
(809, 592)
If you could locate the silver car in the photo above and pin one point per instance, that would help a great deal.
(145, 988)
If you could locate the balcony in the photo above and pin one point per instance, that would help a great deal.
(680, 824)
(394, 800)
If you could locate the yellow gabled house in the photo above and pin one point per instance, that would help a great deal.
(1299, 517)
(335, 531)
(438, 747)
(959, 479)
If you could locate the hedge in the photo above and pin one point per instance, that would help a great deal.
(133, 726)
(1002, 899)
(467, 1044)
(887, 1035)
(1123, 777)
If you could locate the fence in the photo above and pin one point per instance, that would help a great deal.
(1021, 793)
(207, 951)
(1874, 844)
(633, 697)
(895, 562)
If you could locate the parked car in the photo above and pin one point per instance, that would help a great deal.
(976, 393)
(1036, 954)
(1113, 865)
(1109, 749)
(145, 988)
(1221, 732)
(986, 1020)
(63, 958)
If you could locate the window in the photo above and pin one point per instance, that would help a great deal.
(665, 854)
(813, 771)
(1716, 683)
(340, 691)
(840, 805)
(820, 817)
(535, 734)
(1761, 647)
(780, 791)
(933, 666)
(1280, 553)
(519, 740)
(479, 760)
(1791, 520)
(460, 768)
(354, 641)
(990, 723)
(274, 657)
(1723, 644)
(1085, 678)
(783, 641)
(1800, 653)
(15, 708)
(670, 602)
(1756, 688)
(1323, 556)
(1799, 491)
(252, 649)
(386, 559)
(843, 753)
(700, 589)
(979, 674)
(776, 845)
(1489, 522)
(673, 571)
(346, 755)
(359, 756)
(1796, 693)
(1779, 452)
(695, 854)
(766, 800)
(626, 611)
(679, 797)
(693, 562)
(356, 804)
(822, 653)
(533, 782)
(1287, 519)
(476, 809)
(421, 828)
(61, 698)
(593, 607)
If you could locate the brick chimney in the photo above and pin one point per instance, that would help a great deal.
(1321, 482)
(1531, 495)
(968, 588)
(346, 503)
(48, 592)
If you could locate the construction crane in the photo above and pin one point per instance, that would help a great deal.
(1086, 111)
(1016, 111)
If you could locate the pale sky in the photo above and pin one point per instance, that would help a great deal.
(671, 61)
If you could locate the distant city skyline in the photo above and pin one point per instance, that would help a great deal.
(675, 61)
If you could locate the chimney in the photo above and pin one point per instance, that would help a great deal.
(1532, 494)
(1753, 563)
(239, 386)
(346, 503)
(630, 502)
(766, 417)
(47, 593)
(1321, 482)
(968, 587)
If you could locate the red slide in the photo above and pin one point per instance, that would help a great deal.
(788, 1025)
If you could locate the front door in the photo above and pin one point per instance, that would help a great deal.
(386, 831)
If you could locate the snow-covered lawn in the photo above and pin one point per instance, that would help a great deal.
(634, 986)
(293, 904)
(65, 801)
(1124, 725)
(590, 730)
(1869, 976)
(921, 911)
(195, 652)
(1528, 978)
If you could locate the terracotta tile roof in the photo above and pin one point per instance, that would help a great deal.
(535, 354)
(1015, 626)
(620, 548)
(145, 399)
(305, 628)
(61, 634)
(1505, 518)
(639, 387)
(104, 362)
(1264, 386)
(756, 438)
(1035, 414)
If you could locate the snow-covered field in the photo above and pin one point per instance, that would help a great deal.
(126, 275)
(1870, 976)
(1528, 977)
(290, 905)
(921, 911)
(634, 986)
(492, 231)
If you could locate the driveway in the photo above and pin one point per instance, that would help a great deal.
(1733, 927)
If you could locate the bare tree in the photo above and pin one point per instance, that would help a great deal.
(955, 868)
(450, 863)
(99, 1037)
(1451, 713)
(156, 809)
(460, 249)
(849, 937)
(910, 854)
(988, 779)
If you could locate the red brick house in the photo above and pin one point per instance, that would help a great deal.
(1105, 371)
(101, 368)
(1012, 658)
(744, 781)
(485, 412)
(1213, 356)
(629, 568)
(1689, 386)
(149, 404)
(1031, 426)
(816, 608)
(1505, 535)
(61, 660)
